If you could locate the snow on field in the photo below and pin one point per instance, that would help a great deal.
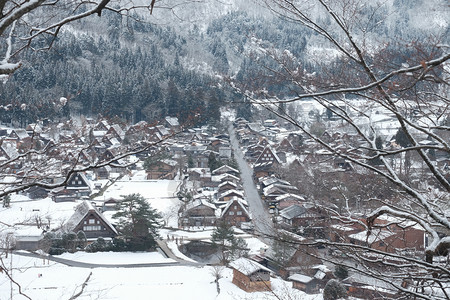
(161, 194)
(24, 210)
(118, 258)
(42, 280)
(203, 234)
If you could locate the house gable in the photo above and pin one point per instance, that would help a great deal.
(267, 156)
(88, 219)
(235, 213)
(78, 181)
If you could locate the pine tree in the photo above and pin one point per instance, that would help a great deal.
(173, 99)
(334, 290)
(223, 238)
(138, 222)
(341, 272)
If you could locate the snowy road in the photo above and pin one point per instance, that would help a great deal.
(172, 261)
(261, 218)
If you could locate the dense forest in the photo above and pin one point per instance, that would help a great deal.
(115, 66)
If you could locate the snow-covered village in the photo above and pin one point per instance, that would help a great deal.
(225, 149)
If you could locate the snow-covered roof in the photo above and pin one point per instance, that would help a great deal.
(227, 182)
(256, 127)
(300, 278)
(200, 202)
(289, 196)
(271, 180)
(224, 177)
(118, 130)
(203, 172)
(170, 162)
(10, 150)
(320, 274)
(230, 192)
(277, 188)
(172, 121)
(99, 133)
(21, 133)
(247, 266)
(292, 211)
(195, 148)
(114, 141)
(224, 169)
(375, 235)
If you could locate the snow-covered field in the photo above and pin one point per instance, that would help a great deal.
(47, 281)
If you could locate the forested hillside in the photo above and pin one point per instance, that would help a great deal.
(116, 66)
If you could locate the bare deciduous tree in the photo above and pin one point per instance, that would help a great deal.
(363, 73)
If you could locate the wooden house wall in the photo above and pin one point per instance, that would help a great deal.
(104, 232)
(246, 284)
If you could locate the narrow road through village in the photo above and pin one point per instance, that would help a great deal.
(261, 218)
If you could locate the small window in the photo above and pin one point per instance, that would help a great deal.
(235, 207)
(239, 213)
(92, 228)
(231, 213)
(91, 221)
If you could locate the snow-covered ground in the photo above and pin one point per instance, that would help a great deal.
(42, 280)
(161, 194)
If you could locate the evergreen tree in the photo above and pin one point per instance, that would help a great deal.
(213, 108)
(282, 249)
(138, 222)
(244, 110)
(190, 161)
(213, 163)
(341, 272)
(172, 99)
(239, 248)
(402, 139)
(333, 290)
(223, 238)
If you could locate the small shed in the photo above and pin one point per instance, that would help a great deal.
(304, 283)
(250, 275)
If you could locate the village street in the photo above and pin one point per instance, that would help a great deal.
(261, 218)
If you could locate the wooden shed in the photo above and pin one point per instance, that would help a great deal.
(250, 275)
